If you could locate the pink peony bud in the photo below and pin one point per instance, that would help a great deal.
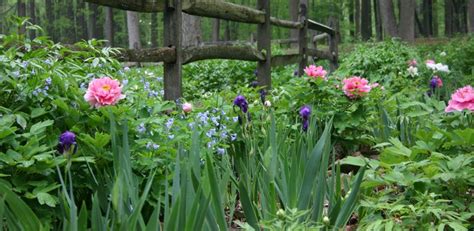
(187, 107)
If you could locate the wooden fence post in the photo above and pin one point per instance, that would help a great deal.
(302, 43)
(264, 37)
(172, 38)
(333, 62)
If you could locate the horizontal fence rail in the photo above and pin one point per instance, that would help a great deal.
(173, 55)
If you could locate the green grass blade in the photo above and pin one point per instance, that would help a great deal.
(132, 222)
(97, 222)
(247, 206)
(216, 195)
(24, 216)
(83, 215)
(349, 204)
(312, 166)
(154, 221)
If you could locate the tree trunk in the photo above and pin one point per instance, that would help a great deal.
(227, 35)
(357, 18)
(109, 26)
(154, 29)
(388, 18)
(133, 27)
(456, 17)
(366, 22)
(32, 10)
(3, 6)
(351, 18)
(428, 17)
(21, 7)
(470, 14)
(50, 19)
(191, 30)
(435, 18)
(81, 20)
(378, 21)
(465, 17)
(420, 25)
(461, 15)
(448, 18)
(407, 20)
(91, 32)
(70, 34)
(216, 28)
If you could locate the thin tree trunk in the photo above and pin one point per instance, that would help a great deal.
(351, 18)
(81, 20)
(407, 20)
(70, 32)
(470, 14)
(227, 35)
(109, 26)
(216, 28)
(3, 7)
(435, 19)
(91, 32)
(21, 7)
(378, 21)
(191, 30)
(366, 21)
(456, 17)
(133, 27)
(50, 19)
(420, 25)
(428, 17)
(98, 26)
(388, 18)
(448, 18)
(33, 19)
(462, 15)
(357, 18)
(154, 29)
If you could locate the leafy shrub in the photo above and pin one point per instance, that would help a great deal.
(382, 62)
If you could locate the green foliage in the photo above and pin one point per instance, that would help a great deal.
(145, 164)
(377, 61)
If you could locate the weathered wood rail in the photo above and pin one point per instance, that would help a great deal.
(174, 55)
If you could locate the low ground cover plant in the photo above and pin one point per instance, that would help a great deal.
(383, 142)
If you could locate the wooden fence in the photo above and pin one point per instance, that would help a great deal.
(174, 55)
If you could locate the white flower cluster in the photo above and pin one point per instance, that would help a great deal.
(412, 71)
(437, 67)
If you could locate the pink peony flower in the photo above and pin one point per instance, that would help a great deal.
(187, 107)
(430, 61)
(356, 87)
(315, 71)
(104, 91)
(462, 99)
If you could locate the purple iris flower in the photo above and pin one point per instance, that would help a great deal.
(242, 103)
(66, 141)
(263, 93)
(433, 83)
(305, 112)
